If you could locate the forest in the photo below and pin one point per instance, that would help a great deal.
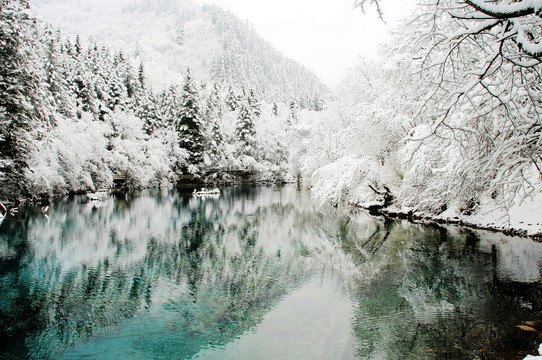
(447, 124)
(76, 113)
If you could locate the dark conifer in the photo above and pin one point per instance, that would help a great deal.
(189, 122)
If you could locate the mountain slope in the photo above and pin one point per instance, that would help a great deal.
(170, 35)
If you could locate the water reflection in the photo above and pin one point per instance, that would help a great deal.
(164, 275)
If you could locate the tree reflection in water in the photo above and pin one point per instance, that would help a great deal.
(164, 275)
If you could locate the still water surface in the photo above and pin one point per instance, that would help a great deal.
(258, 273)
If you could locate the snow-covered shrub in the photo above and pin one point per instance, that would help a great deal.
(70, 157)
(146, 161)
(348, 179)
(348, 152)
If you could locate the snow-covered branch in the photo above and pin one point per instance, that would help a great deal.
(519, 20)
(506, 9)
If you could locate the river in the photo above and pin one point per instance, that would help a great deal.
(258, 273)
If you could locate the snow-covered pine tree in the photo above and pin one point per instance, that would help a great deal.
(168, 105)
(141, 76)
(148, 112)
(179, 32)
(292, 116)
(21, 94)
(245, 130)
(232, 101)
(275, 110)
(214, 132)
(99, 66)
(213, 106)
(130, 78)
(77, 46)
(84, 83)
(54, 60)
(117, 91)
(189, 124)
(216, 140)
(254, 103)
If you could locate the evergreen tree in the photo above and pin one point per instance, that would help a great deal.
(77, 46)
(85, 88)
(316, 104)
(231, 100)
(254, 103)
(148, 112)
(245, 130)
(141, 76)
(169, 103)
(189, 123)
(117, 93)
(99, 67)
(275, 110)
(130, 80)
(213, 106)
(215, 137)
(179, 32)
(292, 116)
(21, 94)
(55, 74)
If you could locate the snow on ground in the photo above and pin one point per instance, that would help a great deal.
(523, 216)
(528, 215)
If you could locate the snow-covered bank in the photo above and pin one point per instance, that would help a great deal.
(381, 146)
(523, 219)
(520, 216)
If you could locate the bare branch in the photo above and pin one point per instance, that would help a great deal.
(361, 4)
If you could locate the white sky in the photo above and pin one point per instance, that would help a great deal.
(327, 36)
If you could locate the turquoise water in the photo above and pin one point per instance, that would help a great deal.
(258, 273)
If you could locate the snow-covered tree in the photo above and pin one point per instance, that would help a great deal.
(482, 101)
(77, 46)
(189, 122)
(168, 105)
(141, 75)
(275, 110)
(22, 93)
(56, 72)
(232, 100)
(348, 152)
(245, 131)
(214, 148)
(148, 112)
(292, 113)
(476, 132)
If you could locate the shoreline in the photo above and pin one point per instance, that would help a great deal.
(457, 220)
(17, 199)
(374, 209)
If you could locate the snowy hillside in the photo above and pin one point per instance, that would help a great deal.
(170, 35)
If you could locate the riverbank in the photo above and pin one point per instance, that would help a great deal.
(521, 219)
